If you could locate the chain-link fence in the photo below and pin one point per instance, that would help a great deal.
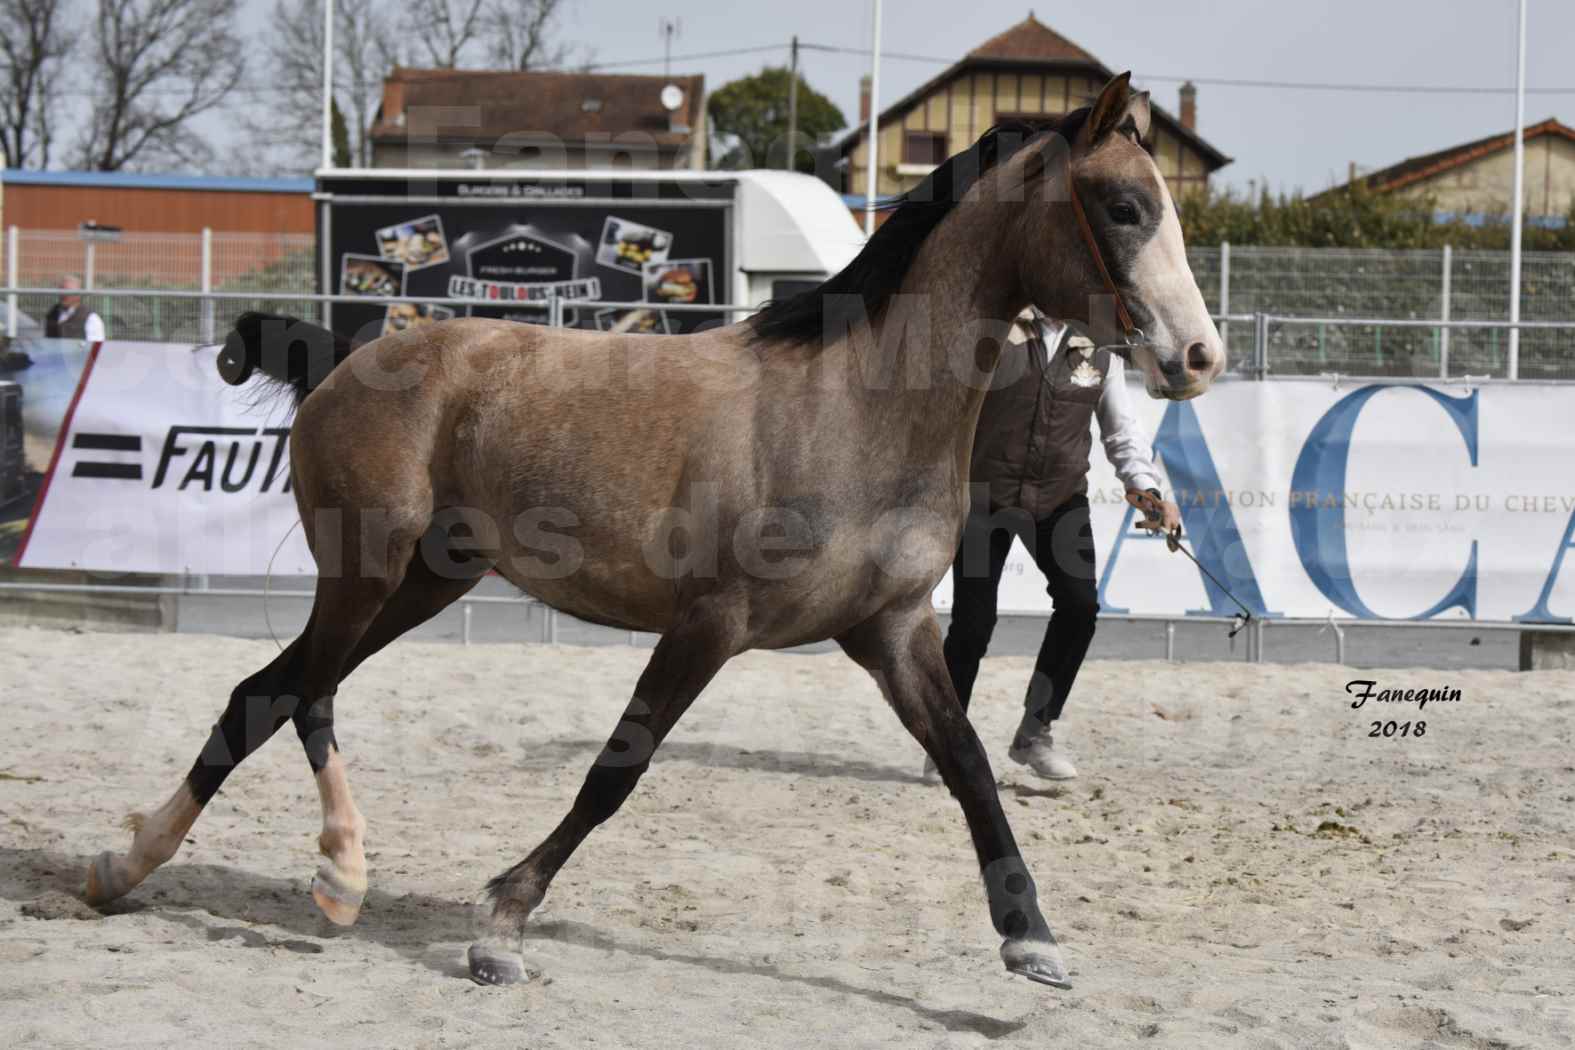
(1405, 285)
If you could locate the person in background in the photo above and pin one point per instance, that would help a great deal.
(69, 319)
(1029, 480)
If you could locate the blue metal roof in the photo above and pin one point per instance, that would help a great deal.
(126, 180)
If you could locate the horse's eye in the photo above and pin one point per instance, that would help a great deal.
(1124, 213)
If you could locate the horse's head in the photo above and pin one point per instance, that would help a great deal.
(1099, 245)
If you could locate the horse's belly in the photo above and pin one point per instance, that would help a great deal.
(588, 574)
(870, 569)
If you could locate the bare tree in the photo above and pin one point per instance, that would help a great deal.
(283, 114)
(365, 49)
(523, 34)
(446, 28)
(156, 65)
(33, 48)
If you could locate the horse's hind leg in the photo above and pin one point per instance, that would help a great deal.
(685, 659)
(340, 884)
(253, 715)
(904, 648)
(297, 686)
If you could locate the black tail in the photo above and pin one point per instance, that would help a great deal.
(286, 351)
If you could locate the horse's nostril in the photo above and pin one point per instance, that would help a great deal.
(1199, 358)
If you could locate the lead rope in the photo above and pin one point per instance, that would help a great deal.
(1240, 620)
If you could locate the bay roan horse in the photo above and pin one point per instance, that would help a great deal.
(798, 476)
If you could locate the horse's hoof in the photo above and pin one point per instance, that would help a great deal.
(103, 884)
(338, 902)
(490, 965)
(1039, 961)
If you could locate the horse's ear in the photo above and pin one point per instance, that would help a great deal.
(1112, 108)
(1139, 117)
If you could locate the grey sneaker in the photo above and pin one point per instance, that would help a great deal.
(1039, 754)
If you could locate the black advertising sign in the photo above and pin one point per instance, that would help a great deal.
(511, 260)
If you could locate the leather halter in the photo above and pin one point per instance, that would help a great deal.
(1131, 333)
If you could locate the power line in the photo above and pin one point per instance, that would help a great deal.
(729, 53)
(1410, 89)
(1231, 82)
(1282, 85)
(902, 55)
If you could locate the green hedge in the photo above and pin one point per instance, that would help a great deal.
(1349, 217)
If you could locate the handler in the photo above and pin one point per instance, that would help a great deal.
(1029, 479)
(69, 319)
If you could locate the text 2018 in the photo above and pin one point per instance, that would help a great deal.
(1398, 729)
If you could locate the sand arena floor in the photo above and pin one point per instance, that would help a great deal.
(1239, 866)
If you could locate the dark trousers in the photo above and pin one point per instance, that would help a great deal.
(1062, 545)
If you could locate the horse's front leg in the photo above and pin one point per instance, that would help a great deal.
(705, 636)
(902, 648)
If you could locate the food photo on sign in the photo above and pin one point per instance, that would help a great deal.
(401, 316)
(627, 245)
(416, 244)
(678, 281)
(636, 322)
(371, 276)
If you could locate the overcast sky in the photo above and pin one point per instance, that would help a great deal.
(1291, 138)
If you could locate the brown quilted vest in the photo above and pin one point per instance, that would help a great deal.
(1035, 430)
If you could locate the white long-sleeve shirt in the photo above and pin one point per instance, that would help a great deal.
(1127, 447)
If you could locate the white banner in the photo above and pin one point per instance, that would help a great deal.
(1392, 501)
(1376, 501)
(161, 467)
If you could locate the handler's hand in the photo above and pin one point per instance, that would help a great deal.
(1158, 515)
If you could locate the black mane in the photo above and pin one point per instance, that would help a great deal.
(877, 271)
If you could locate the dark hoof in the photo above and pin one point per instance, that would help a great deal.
(1039, 961)
(490, 965)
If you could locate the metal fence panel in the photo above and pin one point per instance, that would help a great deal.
(261, 262)
(1405, 285)
(1287, 282)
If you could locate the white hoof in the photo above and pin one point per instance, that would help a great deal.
(1038, 961)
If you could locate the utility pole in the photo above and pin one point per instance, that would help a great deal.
(792, 150)
(1513, 365)
(874, 129)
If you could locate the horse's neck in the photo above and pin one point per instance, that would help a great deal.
(940, 342)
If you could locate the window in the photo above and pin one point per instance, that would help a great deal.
(787, 289)
(923, 147)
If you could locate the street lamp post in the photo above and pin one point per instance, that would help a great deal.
(874, 129)
(1513, 365)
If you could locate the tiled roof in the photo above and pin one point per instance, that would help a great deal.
(1032, 40)
(1418, 169)
(1030, 45)
(569, 106)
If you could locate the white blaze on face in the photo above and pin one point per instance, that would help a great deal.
(1180, 318)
